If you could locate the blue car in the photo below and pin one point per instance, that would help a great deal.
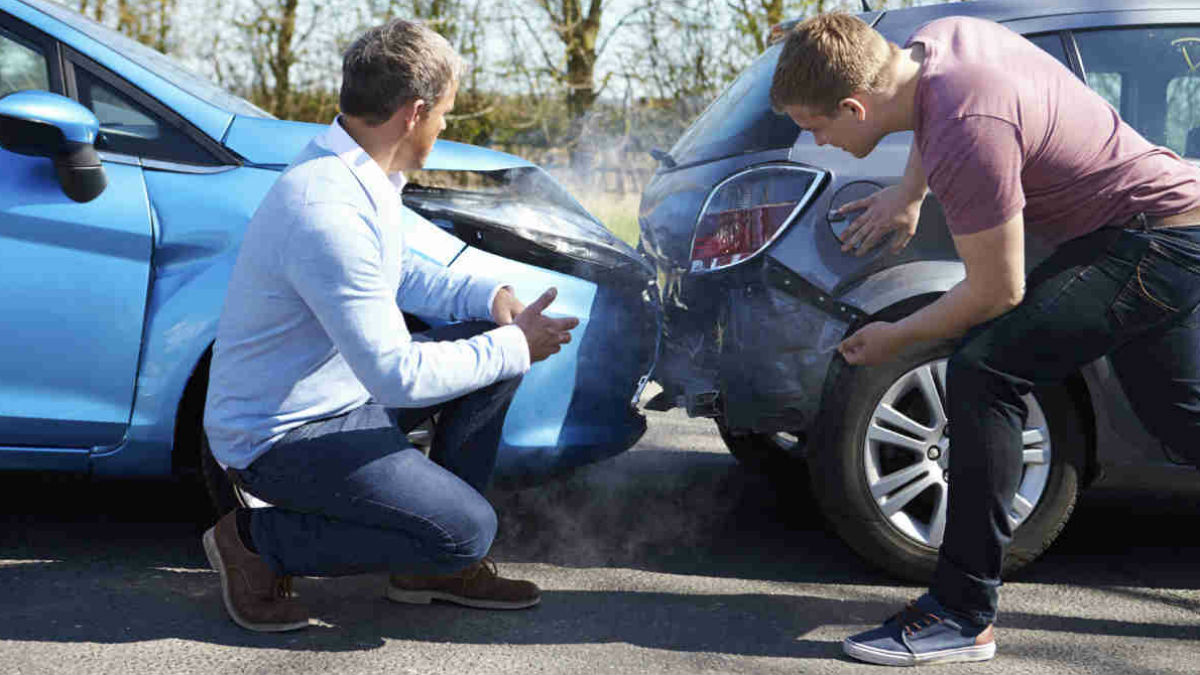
(125, 186)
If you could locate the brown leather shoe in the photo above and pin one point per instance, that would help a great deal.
(256, 598)
(480, 585)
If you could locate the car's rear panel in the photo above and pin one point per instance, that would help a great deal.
(737, 342)
(750, 337)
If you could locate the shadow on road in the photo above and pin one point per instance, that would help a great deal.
(114, 562)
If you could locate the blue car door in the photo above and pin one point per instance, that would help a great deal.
(73, 285)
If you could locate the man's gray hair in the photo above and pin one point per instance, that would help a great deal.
(395, 63)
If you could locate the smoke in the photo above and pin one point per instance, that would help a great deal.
(646, 503)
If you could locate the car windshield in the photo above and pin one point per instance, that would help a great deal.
(151, 60)
(740, 120)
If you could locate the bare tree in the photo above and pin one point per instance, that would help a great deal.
(147, 21)
(577, 25)
(674, 61)
(755, 17)
(93, 8)
(275, 45)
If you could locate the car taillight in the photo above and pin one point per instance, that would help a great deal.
(747, 211)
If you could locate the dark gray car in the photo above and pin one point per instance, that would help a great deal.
(740, 222)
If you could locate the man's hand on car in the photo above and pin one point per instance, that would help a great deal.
(892, 209)
(506, 306)
(545, 335)
(871, 345)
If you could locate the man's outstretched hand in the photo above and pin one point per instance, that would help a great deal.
(545, 335)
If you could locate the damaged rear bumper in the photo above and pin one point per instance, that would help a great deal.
(751, 346)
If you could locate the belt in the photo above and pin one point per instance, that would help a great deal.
(1141, 221)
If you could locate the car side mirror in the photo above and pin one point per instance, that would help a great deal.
(42, 124)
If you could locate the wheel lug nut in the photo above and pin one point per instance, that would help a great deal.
(946, 476)
(934, 452)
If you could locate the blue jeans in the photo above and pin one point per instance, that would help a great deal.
(350, 494)
(1130, 294)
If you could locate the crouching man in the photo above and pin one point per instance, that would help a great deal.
(315, 379)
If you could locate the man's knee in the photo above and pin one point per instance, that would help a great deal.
(966, 376)
(509, 387)
(475, 531)
(496, 393)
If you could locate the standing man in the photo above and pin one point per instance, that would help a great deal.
(1011, 143)
(315, 379)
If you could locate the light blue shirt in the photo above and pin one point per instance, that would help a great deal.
(312, 324)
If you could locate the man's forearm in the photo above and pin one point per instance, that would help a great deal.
(995, 283)
(953, 314)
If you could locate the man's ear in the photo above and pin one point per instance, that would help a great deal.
(855, 106)
(410, 113)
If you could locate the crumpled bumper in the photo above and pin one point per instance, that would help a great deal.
(752, 346)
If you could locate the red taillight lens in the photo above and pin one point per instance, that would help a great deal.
(747, 212)
(737, 233)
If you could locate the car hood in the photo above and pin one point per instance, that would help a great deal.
(519, 199)
(275, 143)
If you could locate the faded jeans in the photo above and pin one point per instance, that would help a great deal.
(350, 494)
(1130, 294)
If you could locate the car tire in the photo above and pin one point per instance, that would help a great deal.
(845, 467)
(221, 492)
(763, 453)
(193, 457)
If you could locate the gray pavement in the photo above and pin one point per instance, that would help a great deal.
(667, 559)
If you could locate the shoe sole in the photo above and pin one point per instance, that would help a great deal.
(214, 559)
(883, 657)
(425, 597)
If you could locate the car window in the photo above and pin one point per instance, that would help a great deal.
(741, 119)
(130, 128)
(1051, 43)
(22, 65)
(1151, 75)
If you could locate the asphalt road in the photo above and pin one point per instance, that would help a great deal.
(667, 559)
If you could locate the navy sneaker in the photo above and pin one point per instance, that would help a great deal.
(922, 634)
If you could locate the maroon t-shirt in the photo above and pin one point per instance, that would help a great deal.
(1003, 127)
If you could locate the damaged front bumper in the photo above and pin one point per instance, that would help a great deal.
(519, 225)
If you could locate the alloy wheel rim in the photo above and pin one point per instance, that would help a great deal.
(907, 448)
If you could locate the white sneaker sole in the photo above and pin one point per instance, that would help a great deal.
(883, 657)
(214, 559)
(425, 597)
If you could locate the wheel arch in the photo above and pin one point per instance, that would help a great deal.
(189, 420)
(941, 279)
(181, 327)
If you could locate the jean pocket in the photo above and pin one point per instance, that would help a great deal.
(1180, 248)
(1147, 298)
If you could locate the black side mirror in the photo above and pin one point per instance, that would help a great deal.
(42, 124)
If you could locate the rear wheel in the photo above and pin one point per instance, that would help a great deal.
(880, 474)
(222, 494)
(193, 457)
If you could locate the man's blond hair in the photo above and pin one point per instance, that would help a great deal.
(827, 58)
